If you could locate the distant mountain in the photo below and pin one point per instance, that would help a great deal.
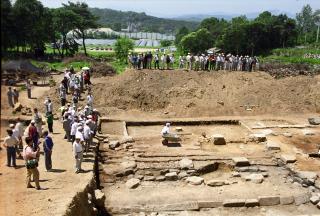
(200, 17)
(118, 20)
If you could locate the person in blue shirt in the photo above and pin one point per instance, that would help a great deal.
(47, 148)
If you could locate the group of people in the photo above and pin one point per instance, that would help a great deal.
(80, 124)
(203, 62)
(311, 56)
(13, 96)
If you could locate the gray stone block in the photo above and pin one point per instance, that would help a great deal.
(171, 176)
(133, 183)
(269, 200)
(286, 200)
(288, 158)
(194, 180)
(241, 161)
(255, 178)
(209, 204)
(218, 139)
(234, 203)
(186, 163)
(314, 199)
(314, 121)
(273, 146)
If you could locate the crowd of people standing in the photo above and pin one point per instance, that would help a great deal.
(203, 62)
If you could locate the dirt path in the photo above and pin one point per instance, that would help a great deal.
(59, 186)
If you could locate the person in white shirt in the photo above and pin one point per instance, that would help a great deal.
(16, 135)
(74, 127)
(79, 133)
(78, 153)
(87, 135)
(90, 99)
(166, 129)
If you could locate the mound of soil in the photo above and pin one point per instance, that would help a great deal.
(278, 70)
(208, 93)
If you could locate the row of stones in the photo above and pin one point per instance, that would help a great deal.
(197, 205)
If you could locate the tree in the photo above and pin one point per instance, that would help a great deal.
(181, 33)
(195, 42)
(7, 33)
(64, 21)
(305, 21)
(122, 48)
(165, 43)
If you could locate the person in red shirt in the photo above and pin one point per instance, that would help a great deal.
(33, 134)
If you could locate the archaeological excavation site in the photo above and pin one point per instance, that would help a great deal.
(237, 153)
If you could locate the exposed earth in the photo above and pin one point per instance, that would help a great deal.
(136, 104)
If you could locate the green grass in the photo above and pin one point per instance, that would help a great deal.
(119, 66)
(61, 65)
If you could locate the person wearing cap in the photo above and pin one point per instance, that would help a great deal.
(79, 132)
(90, 99)
(78, 153)
(15, 96)
(34, 135)
(47, 149)
(10, 97)
(30, 156)
(10, 143)
(38, 121)
(16, 134)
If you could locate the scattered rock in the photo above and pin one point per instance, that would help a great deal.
(241, 161)
(307, 132)
(17, 107)
(186, 163)
(288, 158)
(163, 172)
(218, 139)
(269, 200)
(308, 177)
(207, 168)
(133, 183)
(148, 173)
(126, 139)
(315, 199)
(194, 180)
(255, 178)
(114, 144)
(235, 174)
(287, 134)
(183, 174)
(209, 204)
(272, 146)
(179, 129)
(100, 198)
(140, 177)
(314, 121)
(215, 183)
(172, 176)
(267, 132)
(258, 138)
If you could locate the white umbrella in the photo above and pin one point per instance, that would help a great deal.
(85, 68)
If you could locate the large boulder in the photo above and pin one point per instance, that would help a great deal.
(186, 163)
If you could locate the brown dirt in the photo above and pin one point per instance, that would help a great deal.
(198, 93)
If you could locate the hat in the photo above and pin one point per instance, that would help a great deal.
(11, 125)
(95, 110)
(32, 122)
(88, 122)
(80, 128)
(89, 116)
(167, 124)
(77, 138)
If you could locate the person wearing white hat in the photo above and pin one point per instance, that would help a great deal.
(10, 143)
(90, 99)
(166, 129)
(74, 127)
(16, 135)
(87, 135)
(79, 133)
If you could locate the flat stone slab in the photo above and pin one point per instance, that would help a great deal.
(241, 161)
(186, 163)
(301, 199)
(258, 137)
(160, 178)
(273, 146)
(307, 132)
(288, 158)
(172, 176)
(252, 203)
(269, 200)
(194, 180)
(255, 178)
(286, 200)
(215, 183)
(218, 139)
(133, 183)
(309, 177)
(287, 134)
(234, 203)
(209, 204)
(129, 164)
